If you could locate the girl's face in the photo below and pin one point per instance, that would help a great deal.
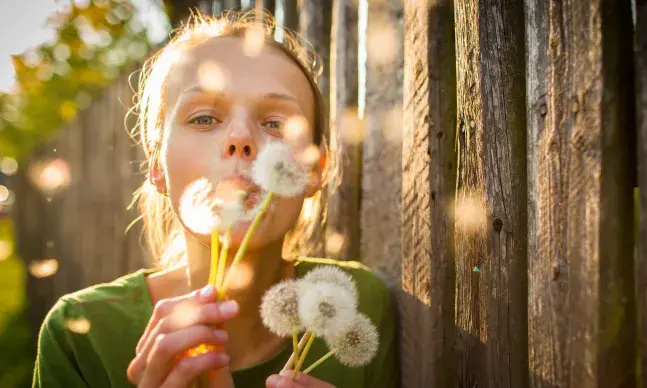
(221, 108)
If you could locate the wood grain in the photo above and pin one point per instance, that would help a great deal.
(381, 155)
(83, 225)
(344, 195)
(641, 259)
(314, 27)
(490, 234)
(428, 181)
(580, 273)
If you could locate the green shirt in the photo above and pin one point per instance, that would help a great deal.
(89, 337)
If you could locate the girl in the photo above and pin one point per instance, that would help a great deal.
(210, 100)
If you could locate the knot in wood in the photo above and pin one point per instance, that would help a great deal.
(497, 224)
(543, 109)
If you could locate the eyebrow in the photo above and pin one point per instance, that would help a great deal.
(268, 96)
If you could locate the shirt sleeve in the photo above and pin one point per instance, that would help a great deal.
(384, 370)
(55, 361)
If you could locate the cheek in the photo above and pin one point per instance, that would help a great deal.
(190, 156)
(287, 212)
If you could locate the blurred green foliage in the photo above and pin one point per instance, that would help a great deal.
(94, 42)
(17, 343)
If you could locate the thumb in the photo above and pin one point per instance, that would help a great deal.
(284, 380)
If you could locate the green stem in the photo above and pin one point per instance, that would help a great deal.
(319, 361)
(293, 359)
(214, 258)
(222, 262)
(295, 345)
(243, 245)
(302, 359)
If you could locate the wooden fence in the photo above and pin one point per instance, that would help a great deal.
(492, 187)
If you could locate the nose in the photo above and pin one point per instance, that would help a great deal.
(240, 145)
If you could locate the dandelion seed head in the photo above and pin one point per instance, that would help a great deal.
(334, 275)
(358, 344)
(280, 308)
(276, 170)
(198, 207)
(326, 308)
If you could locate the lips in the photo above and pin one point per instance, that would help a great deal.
(244, 183)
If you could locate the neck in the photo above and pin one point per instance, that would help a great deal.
(257, 271)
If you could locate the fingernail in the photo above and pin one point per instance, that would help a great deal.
(221, 335)
(229, 307)
(207, 292)
(275, 381)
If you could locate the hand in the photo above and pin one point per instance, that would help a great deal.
(179, 324)
(303, 381)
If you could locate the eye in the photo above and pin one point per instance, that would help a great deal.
(274, 127)
(204, 120)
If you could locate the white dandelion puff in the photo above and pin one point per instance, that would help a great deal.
(325, 308)
(280, 308)
(231, 210)
(358, 344)
(198, 207)
(276, 170)
(334, 275)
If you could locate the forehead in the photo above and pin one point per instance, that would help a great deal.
(222, 61)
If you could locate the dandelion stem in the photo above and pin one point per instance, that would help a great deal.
(295, 345)
(243, 245)
(293, 357)
(319, 361)
(214, 258)
(302, 359)
(222, 262)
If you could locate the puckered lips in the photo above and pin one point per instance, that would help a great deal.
(234, 184)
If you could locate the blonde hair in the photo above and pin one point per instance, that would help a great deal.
(161, 229)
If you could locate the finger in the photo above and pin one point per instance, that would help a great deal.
(278, 381)
(187, 370)
(188, 316)
(163, 308)
(305, 380)
(165, 347)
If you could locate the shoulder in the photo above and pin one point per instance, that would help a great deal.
(77, 313)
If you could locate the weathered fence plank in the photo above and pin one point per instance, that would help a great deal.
(581, 329)
(342, 230)
(290, 14)
(83, 224)
(491, 195)
(428, 183)
(641, 104)
(314, 26)
(382, 147)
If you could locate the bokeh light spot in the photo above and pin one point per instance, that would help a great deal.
(297, 132)
(51, 177)
(211, 77)
(335, 243)
(241, 277)
(392, 125)
(382, 44)
(43, 268)
(8, 166)
(254, 40)
(351, 128)
(78, 325)
(6, 249)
